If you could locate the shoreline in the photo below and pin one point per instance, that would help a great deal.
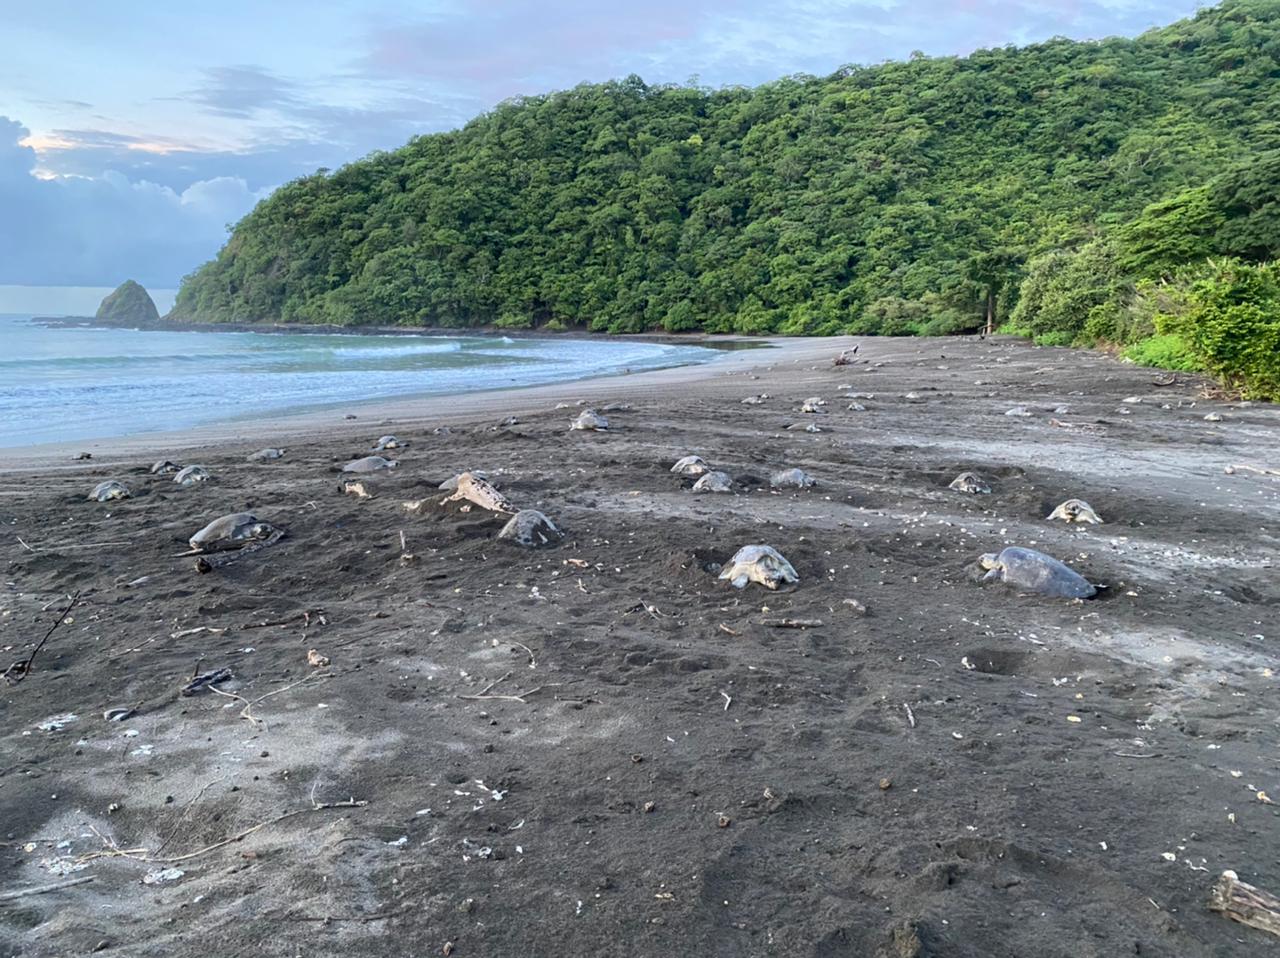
(740, 354)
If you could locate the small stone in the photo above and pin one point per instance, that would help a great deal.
(886, 784)
(724, 821)
(650, 806)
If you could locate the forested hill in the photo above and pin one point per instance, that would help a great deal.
(903, 197)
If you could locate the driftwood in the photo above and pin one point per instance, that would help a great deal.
(44, 889)
(792, 623)
(1244, 903)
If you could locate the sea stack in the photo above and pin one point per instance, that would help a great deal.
(130, 303)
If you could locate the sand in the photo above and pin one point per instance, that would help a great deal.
(600, 749)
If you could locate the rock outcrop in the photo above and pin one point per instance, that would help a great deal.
(130, 303)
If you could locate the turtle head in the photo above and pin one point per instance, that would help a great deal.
(991, 562)
(261, 530)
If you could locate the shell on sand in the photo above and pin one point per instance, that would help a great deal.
(266, 455)
(691, 466)
(714, 482)
(369, 464)
(791, 479)
(1076, 510)
(1030, 571)
(109, 490)
(589, 420)
(969, 482)
(530, 528)
(191, 475)
(232, 531)
(758, 563)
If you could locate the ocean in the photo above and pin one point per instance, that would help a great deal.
(80, 382)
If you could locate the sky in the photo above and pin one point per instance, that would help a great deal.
(132, 134)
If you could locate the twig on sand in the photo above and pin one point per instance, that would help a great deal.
(533, 662)
(726, 630)
(487, 694)
(793, 623)
(143, 855)
(325, 919)
(247, 714)
(24, 545)
(1137, 754)
(911, 716)
(22, 668)
(43, 889)
(728, 700)
(183, 814)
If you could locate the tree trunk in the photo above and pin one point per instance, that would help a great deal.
(991, 311)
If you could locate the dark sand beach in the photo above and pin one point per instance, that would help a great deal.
(600, 749)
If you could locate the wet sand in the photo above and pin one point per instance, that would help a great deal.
(599, 748)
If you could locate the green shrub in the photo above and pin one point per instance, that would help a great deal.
(512, 320)
(1231, 324)
(1060, 338)
(1164, 352)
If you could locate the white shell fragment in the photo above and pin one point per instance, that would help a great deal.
(758, 563)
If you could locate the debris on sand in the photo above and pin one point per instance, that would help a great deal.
(758, 563)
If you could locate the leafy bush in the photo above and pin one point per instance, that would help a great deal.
(1231, 324)
(1165, 352)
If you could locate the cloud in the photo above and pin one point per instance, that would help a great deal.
(87, 231)
(243, 91)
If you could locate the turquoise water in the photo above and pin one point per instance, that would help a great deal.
(71, 383)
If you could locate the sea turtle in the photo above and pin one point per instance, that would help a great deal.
(763, 564)
(1031, 571)
(266, 455)
(969, 482)
(109, 490)
(1213, 417)
(360, 488)
(233, 531)
(755, 400)
(1018, 411)
(165, 468)
(370, 464)
(856, 407)
(791, 479)
(451, 484)
(846, 357)
(589, 420)
(1076, 510)
(481, 492)
(803, 427)
(191, 475)
(714, 482)
(813, 404)
(531, 528)
(691, 466)
(387, 442)
(913, 397)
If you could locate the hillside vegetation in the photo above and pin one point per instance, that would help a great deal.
(1081, 192)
